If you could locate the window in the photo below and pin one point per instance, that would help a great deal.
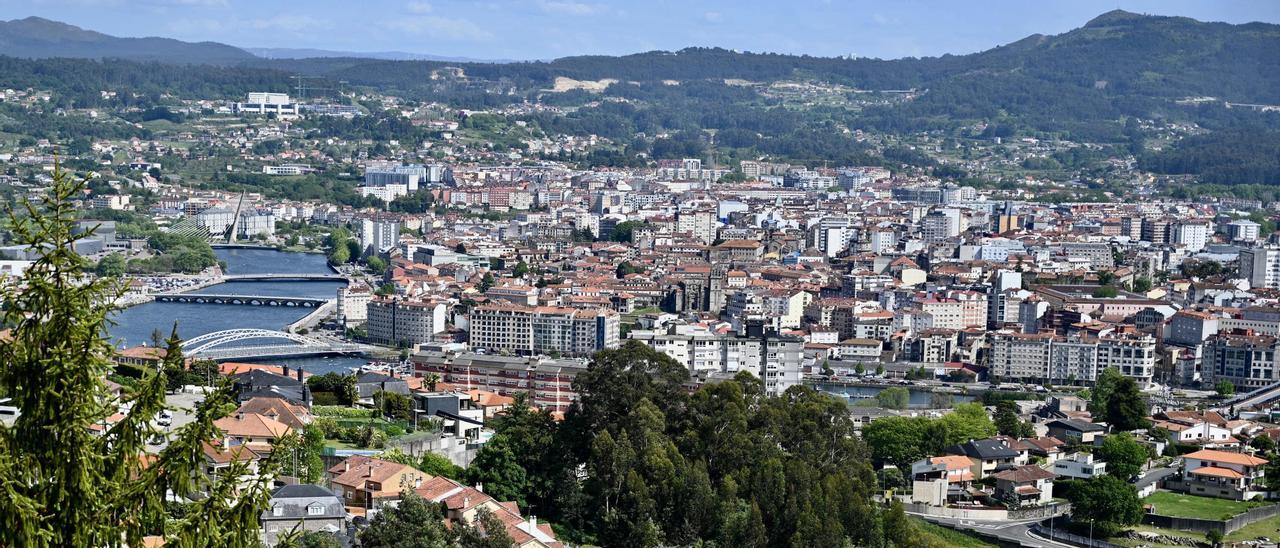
(277, 511)
(315, 510)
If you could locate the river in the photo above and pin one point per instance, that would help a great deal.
(919, 398)
(134, 325)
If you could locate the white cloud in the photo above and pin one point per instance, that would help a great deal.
(419, 7)
(440, 27)
(568, 7)
(293, 24)
(713, 17)
(195, 3)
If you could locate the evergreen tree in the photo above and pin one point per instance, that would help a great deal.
(64, 484)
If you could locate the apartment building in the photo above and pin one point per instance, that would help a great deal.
(394, 321)
(547, 381)
(775, 359)
(353, 303)
(525, 330)
(1246, 361)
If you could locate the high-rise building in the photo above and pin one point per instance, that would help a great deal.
(1242, 230)
(381, 235)
(1261, 266)
(1193, 234)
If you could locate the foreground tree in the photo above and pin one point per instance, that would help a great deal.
(70, 477)
(414, 523)
(1124, 456)
(1109, 502)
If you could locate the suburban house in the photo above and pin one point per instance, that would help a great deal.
(1075, 431)
(1079, 465)
(1221, 474)
(302, 508)
(1207, 428)
(987, 456)
(259, 383)
(370, 383)
(940, 480)
(251, 429)
(462, 504)
(369, 483)
(1024, 486)
(293, 416)
(220, 461)
(1048, 448)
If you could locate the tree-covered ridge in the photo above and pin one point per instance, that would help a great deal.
(639, 461)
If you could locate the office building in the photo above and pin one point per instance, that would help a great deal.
(397, 322)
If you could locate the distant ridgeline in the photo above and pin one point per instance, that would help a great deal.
(1084, 84)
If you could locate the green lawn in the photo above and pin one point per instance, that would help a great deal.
(1269, 528)
(937, 535)
(1189, 506)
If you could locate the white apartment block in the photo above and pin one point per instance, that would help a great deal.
(527, 330)
(353, 303)
(1261, 266)
(1194, 234)
(1133, 355)
(407, 323)
(380, 235)
(776, 360)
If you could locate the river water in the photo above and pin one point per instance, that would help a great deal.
(134, 325)
(919, 398)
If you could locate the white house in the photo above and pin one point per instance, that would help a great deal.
(1079, 466)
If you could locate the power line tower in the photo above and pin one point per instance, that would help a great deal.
(301, 87)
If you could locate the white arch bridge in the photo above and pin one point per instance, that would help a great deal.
(243, 344)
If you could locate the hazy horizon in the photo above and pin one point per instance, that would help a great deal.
(546, 29)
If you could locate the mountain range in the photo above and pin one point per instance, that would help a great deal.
(1117, 65)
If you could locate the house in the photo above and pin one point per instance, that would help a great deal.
(260, 383)
(1024, 486)
(278, 409)
(302, 508)
(1047, 448)
(491, 403)
(1079, 465)
(1075, 431)
(221, 460)
(251, 429)
(462, 504)
(1023, 448)
(986, 456)
(1221, 474)
(1197, 432)
(369, 483)
(937, 481)
(369, 383)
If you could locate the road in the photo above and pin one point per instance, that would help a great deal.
(1011, 531)
(1154, 476)
(183, 408)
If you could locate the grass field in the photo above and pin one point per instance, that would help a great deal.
(937, 535)
(1190, 506)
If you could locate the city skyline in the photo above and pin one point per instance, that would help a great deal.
(545, 29)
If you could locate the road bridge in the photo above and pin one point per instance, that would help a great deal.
(246, 300)
(283, 277)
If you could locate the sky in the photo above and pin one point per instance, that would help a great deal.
(546, 29)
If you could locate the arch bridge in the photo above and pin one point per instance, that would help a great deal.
(229, 345)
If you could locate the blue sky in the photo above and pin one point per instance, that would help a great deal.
(543, 29)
